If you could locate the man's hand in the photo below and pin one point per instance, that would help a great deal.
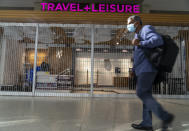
(135, 42)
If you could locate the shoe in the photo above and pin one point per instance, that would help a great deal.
(167, 122)
(141, 127)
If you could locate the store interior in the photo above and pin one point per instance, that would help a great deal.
(63, 61)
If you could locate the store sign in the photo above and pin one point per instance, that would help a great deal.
(75, 7)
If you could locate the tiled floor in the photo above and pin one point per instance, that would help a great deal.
(82, 114)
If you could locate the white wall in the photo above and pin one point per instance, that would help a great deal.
(17, 3)
(105, 74)
(168, 5)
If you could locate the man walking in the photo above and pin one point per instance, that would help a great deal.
(146, 37)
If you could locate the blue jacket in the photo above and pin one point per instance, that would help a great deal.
(149, 38)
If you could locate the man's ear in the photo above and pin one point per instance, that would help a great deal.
(137, 23)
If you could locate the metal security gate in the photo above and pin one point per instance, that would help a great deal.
(14, 60)
(79, 60)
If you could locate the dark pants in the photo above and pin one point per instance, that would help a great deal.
(144, 92)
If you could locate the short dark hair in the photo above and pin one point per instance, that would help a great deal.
(136, 18)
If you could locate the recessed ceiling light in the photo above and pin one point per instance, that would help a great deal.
(125, 51)
(78, 49)
(105, 50)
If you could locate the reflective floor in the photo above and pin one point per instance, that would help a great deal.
(82, 114)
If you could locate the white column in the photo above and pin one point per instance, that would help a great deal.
(2, 60)
(92, 59)
(35, 61)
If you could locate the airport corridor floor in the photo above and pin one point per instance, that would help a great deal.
(83, 114)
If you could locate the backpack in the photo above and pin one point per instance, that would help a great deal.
(163, 57)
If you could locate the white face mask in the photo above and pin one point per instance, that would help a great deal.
(131, 28)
